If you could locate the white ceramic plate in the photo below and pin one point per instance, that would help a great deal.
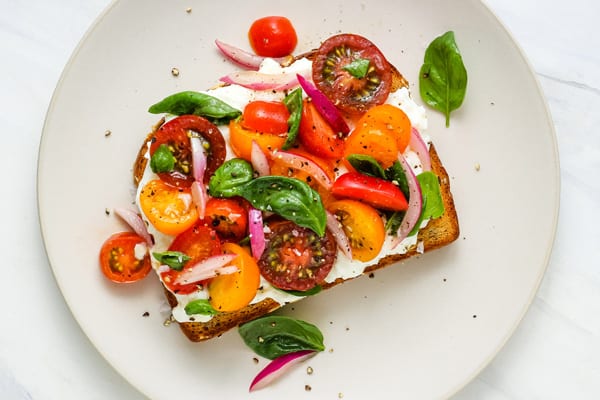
(421, 329)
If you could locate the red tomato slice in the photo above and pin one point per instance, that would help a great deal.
(374, 191)
(273, 36)
(229, 217)
(176, 135)
(118, 260)
(266, 117)
(317, 136)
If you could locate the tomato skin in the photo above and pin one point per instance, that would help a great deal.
(390, 119)
(317, 136)
(374, 191)
(117, 258)
(273, 36)
(169, 209)
(235, 291)
(241, 140)
(372, 141)
(228, 217)
(175, 135)
(266, 117)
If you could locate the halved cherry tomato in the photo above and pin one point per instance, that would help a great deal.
(227, 216)
(295, 257)
(374, 191)
(198, 242)
(176, 135)
(266, 117)
(363, 226)
(235, 291)
(317, 136)
(169, 209)
(350, 93)
(389, 118)
(273, 36)
(241, 140)
(121, 262)
(372, 141)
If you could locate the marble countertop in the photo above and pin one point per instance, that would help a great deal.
(554, 353)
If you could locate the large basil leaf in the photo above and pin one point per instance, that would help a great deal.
(229, 177)
(201, 104)
(443, 76)
(274, 336)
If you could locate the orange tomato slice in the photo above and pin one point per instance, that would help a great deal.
(234, 291)
(241, 140)
(169, 209)
(363, 226)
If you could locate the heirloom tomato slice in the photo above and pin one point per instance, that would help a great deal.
(317, 136)
(377, 192)
(121, 261)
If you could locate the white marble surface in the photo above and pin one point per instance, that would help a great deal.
(555, 352)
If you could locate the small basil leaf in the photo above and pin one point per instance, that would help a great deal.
(393, 222)
(201, 104)
(229, 177)
(290, 198)
(200, 306)
(358, 68)
(396, 174)
(366, 165)
(443, 76)
(310, 292)
(162, 160)
(293, 102)
(174, 259)
(274, 336)
(433, 205)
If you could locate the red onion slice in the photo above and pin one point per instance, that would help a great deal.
(415, 203)
(259, 160)
(418, 145)
(337, 230)
(136, 223)
(257, 233)
(246, 59)
(305, 164)
(325, 107)
(278, 367)
(205, 269)
(198, 159)
(199, 197)
(259, 81)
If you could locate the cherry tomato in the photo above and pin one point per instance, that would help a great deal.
(273, 36)
(388, 118)
(176, 135)
(374, 191)
(372, 141)
(295, 257)
(121, 262)
(235, 291)
(241, 140)
(229, 217)
(363, 226)
(169, 209)
(317, 136)
(198, 242)
(266, 117)
(350, 93)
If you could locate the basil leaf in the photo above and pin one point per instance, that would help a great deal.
(290, 198)
(174, 259)
(394, 221)
(443, 77)
(200, 306)
(228, 178)
(201, 104)
(310, 292)
(293, 102)
(162, 160)
(433, 205)
(274, 336)
(395, 173)
(366, 165)
(358, 68)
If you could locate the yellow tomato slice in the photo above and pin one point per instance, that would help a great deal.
(241, 140)
(235, 291)
(363, 226)
(169, 209)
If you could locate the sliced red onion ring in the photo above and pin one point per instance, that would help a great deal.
(259, 160)
(278, 367)
(257, 233)
(418, 145)
(199, 197)
(325, 107)
(337, 230)
(136, 223)
(207, 268)
(415, 203)
(198, 159)
(259, 81)
(246, 59)
(305, 164)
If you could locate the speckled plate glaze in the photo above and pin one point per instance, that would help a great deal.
(418, 330)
